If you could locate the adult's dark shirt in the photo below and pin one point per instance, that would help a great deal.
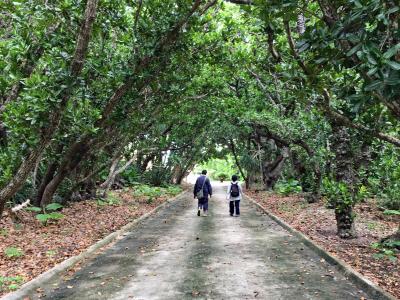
(207, 189)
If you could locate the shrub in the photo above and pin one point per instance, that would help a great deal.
(339, 195)
(222, 176)
(390, 198)
(157, 176)
(291, 186)
(131, 175)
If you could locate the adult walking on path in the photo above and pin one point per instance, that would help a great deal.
(234, 194)
(202, 189)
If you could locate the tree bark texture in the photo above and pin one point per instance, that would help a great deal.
(273, 170)
(344, 172)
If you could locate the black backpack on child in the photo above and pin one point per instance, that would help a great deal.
(235, 190)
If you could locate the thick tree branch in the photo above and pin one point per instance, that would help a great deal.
(343, 120)
(271, 47)
(245, 2)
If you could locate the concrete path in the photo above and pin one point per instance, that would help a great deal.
(177, 255)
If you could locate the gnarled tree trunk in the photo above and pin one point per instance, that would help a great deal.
(70, 161)
(273, 170)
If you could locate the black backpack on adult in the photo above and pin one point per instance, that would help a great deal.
(235, 190)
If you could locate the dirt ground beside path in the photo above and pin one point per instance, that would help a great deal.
(319, 224)
(176, 255)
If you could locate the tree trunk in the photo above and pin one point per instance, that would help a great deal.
(111, 174)
(3, 135)
(176, 173)
(114, 172)
(48, 176)
(364, 160)
(273, 170)
(146, 161)
(185, 171)
(70, 161)
(345, 222)
(83, 182)
(344, 172)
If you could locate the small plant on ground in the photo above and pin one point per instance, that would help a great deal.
(51, 253)
(173, 189)
(372, 225)
(148, 191)
(3, 232)
(284, 207)
(111, 199)
(392, 212)
(10, 283)
(389, 246)
(386, 249)
(13, 252)
(49, 212)
(18, 226)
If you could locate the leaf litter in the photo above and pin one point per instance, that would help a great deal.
(319, 224)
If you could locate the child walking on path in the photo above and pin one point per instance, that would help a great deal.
(234, 194)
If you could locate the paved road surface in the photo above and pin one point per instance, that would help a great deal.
(177, 255)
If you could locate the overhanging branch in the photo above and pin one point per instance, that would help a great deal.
(245, 2)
